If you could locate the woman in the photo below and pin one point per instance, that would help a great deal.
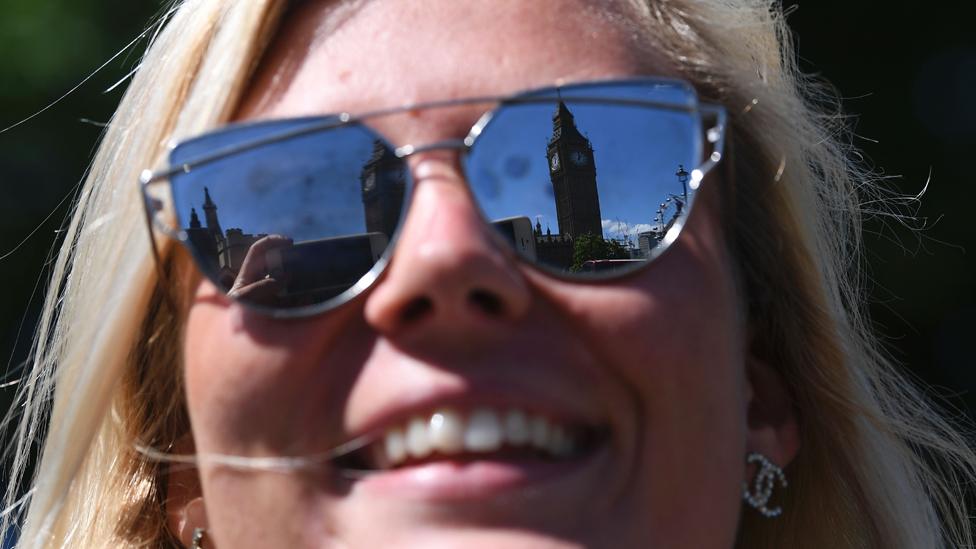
(474, 388)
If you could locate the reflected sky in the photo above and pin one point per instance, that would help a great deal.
(306, 188)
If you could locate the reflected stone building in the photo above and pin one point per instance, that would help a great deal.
(224, 252)
(554, 250)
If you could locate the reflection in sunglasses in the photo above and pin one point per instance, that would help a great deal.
(319, 247)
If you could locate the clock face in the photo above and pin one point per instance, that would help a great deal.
(554, 162)
(579, 158)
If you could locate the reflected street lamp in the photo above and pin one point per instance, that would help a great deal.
(683, 178)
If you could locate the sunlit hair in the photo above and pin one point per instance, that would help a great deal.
(877, 466)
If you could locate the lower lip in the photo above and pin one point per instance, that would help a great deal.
(448, 480)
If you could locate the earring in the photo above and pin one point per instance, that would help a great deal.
(763, 485)
(197, 541)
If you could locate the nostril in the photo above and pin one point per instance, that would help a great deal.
(486, 302)
(416, 309)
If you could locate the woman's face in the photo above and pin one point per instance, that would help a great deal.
(658, 361)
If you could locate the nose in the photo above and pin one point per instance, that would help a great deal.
(447, 273)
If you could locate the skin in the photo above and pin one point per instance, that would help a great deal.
(661, 358)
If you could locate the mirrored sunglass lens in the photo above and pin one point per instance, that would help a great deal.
(293, 223)
(586, 189)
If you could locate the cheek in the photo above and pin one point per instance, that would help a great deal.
(261, 386)
(673, 333)
(673, 339)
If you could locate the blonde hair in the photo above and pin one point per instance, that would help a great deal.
(878, 467)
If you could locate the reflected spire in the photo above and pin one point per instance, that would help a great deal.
(564, 124)
(563, 113)
(210, 212)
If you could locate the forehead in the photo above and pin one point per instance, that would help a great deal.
(357, 56)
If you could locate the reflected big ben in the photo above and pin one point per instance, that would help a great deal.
(572, 170)
(572, 173)
(383, 185)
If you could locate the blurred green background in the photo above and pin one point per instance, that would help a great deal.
(907, 72)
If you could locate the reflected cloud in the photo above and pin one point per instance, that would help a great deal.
(621, 229)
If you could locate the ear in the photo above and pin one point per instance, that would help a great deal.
(191, 516)
(185, 510)
(771, 416)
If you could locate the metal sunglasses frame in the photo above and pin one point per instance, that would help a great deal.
(714, 135)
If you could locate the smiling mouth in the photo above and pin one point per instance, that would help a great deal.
(447, 436)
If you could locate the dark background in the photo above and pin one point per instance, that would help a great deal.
(906, 70)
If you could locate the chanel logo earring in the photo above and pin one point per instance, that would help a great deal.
(197, 541)
(762, 485)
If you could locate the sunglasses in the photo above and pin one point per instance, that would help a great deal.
(587, 181)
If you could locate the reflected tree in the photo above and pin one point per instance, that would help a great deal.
(590, 247)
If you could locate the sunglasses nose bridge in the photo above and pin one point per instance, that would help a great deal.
(407, 151)
(440, 160)
(447, 272)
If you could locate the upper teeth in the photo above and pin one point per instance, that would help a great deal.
(484, 430)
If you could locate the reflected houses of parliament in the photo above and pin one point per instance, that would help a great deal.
(274, 270)
(224, 252)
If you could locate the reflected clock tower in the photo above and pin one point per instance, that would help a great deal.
(572, 171)
(383, 184)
